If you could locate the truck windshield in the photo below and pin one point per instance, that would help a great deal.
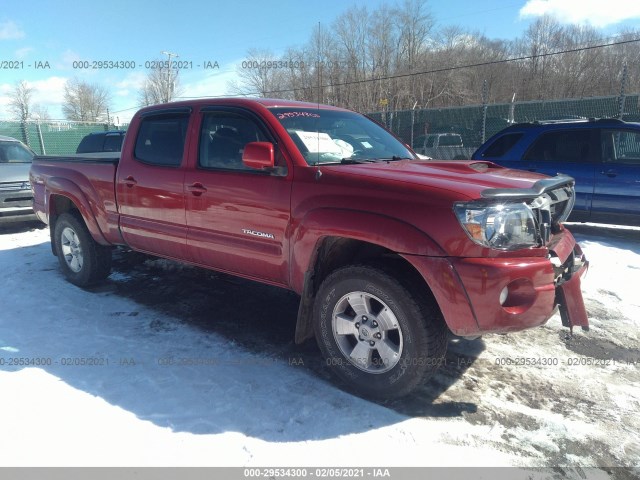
(332, 136)
(15, 152)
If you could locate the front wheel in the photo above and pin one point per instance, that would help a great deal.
(83, 261)
(376, 334)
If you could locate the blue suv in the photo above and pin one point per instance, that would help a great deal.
(602, 155)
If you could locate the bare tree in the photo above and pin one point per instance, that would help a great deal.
(394, 58)
(162, 85)
(84, 101)
(263, 74)
(20, 101)
(40, 112)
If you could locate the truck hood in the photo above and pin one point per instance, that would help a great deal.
(14, 172)
(467, 178)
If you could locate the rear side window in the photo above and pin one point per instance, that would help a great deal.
(161, 139)
(572, 146)
(502, 145)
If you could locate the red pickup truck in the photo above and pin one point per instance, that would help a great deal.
(389, 253)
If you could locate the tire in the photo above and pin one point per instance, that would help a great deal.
(376, 335)
(83, 261)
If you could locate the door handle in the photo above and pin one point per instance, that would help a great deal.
(196, 189)
(609, 173)
(130, 181)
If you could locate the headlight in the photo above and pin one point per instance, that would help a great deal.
(506, 227)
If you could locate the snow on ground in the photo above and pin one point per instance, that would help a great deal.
(187, 367)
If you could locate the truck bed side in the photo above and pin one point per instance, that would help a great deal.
(78, 182)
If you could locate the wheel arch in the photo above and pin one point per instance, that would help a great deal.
(65, 196)
(333, 253)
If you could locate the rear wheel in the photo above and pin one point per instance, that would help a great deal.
(376, 334)
(83, 261)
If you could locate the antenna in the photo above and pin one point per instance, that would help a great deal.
(319, 65)
(319, 69)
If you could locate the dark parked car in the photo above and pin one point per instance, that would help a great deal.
(602, 155)
(16, 198)
(102, 142)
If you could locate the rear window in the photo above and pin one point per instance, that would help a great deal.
(502, 145)
(91, 143)
(113, 142)
(450, 141)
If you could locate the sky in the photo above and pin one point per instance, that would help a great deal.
(43, 39)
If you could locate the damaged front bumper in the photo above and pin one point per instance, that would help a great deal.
(568, 293)
(482, 295)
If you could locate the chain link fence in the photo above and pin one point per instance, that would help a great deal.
(470, 125)
(475, 124)
(52, 137)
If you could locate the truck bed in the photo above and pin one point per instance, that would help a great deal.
(88, 180)
(102, 157)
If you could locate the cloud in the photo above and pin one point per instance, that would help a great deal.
(598, 13)
(130, 85)
(11, 31)
(48, 93)
(22, 53)
(67, 59)
(212, 85)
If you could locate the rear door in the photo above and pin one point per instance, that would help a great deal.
(617, 191)
(237, 217)
(150, 185)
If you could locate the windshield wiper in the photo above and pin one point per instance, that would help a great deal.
(352, 161)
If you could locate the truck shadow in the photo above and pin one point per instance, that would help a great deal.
(262, 319)
(229, 313)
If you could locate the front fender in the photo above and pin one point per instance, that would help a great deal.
(390, 233)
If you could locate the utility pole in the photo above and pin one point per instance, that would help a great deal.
(622, 92)
(169, 90)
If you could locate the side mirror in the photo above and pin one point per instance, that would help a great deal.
(258, 155)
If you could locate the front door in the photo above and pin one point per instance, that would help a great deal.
(237, 217)
(617, 193)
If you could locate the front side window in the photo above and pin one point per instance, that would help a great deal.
(567, 146)
(621, 146)
(223, 137)
(161, 140)
(332, 136)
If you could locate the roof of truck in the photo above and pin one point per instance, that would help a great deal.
(242, 101)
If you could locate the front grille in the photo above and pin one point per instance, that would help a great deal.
(14, 186)
(562, 200)
(552, 208)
